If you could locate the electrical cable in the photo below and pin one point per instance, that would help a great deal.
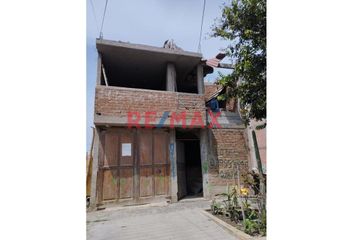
(201, 29)
(94, 15)
(104, 14)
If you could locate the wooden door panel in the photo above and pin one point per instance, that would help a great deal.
(145, 147)
(111, 149)
(110, 181)
(126, 183)
(160, 147)
(160, 181)
(101, 148)
(146, 182)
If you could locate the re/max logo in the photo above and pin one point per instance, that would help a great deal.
(150, 119)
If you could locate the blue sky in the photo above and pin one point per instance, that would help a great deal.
(149, 22)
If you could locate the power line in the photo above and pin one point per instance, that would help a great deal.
(94, 15)
(201, 29)
(104, 14)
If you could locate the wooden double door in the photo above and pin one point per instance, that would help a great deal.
(133, 164)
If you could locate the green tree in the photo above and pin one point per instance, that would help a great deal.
(243, 23)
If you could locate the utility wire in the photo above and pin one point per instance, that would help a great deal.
(104, 14)
(201, 29)
(94, 15)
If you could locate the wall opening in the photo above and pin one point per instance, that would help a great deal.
(188, 83)
(142, 77)
(134, 75)
(189, 169)
(145, 67)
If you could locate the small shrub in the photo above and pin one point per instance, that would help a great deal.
(236, 206)
(251, 226)
(215, 207)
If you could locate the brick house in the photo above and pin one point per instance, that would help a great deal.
(155, 139)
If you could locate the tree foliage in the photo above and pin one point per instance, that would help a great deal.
(243, 23)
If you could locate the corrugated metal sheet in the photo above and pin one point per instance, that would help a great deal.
(214, 62)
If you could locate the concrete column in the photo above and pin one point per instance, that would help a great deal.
(93, 194)
(253, 162)
(171, 86)
(200, 79)
(171, 77)
(173, 165)
(205, 163)
(99, 70)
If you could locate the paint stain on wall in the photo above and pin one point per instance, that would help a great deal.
(114, 180)
(205, 167)
(122, 181)
(172, 151)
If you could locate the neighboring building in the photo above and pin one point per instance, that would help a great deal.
(212, 91)
(154, 141)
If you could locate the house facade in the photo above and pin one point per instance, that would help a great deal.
(156, 137)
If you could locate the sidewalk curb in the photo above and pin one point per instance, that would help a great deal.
(238, 233)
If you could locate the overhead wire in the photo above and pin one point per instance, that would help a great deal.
(94, 15)
(104, 14)
(201, 29)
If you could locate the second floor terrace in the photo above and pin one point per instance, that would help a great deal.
(166, 68)
(149, 83)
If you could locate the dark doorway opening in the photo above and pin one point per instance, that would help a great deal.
(189, 169)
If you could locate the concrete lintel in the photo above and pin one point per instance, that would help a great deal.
(145, 90)
(123, 121)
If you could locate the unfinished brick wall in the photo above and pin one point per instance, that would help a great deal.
(210, 89)
(118, 101)
(228, 149)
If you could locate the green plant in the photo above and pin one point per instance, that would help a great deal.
(254, 218)
(215, 207)
(255, 222)
(229, 207)
(252, 214)
(243, 25)
(263, 223)
(251, 226)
